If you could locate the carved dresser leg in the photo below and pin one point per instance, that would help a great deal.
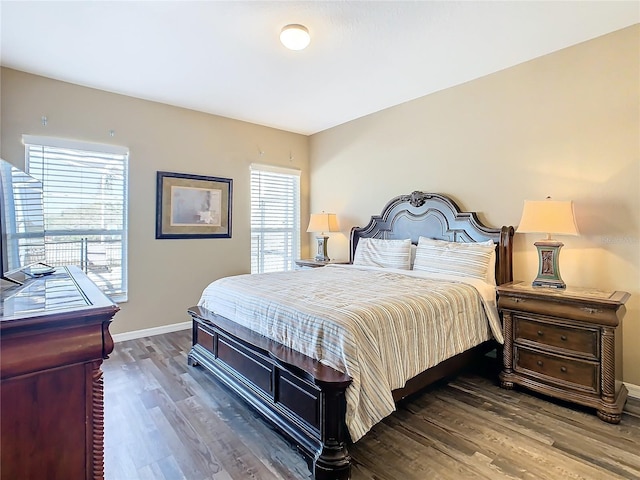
(609, 417)
(507, 351)
(607, 372)
(97, 407)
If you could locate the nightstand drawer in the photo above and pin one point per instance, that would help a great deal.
(576, 374)
(581, 341)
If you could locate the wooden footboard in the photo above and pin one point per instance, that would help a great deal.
(304, 399)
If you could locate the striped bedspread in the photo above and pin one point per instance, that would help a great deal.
(380, 326)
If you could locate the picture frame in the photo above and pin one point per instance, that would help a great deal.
(193, 206)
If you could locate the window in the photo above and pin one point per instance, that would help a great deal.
(275, 218)
(85, 207)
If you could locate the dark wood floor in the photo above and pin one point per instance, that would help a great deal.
(166, 420)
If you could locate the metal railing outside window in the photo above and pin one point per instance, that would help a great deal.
(99, 258)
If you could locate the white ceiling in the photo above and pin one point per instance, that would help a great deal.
(225, 58)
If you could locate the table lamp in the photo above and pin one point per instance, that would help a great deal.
(550, 217)
(321, 223)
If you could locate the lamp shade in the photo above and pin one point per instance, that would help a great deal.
(323, 222)
(548, 216)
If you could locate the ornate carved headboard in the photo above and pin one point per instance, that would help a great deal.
(436, 216)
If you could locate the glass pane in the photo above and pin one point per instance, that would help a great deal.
(85, 201)
(275, 221)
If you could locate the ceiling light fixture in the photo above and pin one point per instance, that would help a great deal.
(295, 37)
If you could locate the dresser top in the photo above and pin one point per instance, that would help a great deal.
(67, 290)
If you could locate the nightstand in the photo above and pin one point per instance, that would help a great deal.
(565, 343)
(313, 263)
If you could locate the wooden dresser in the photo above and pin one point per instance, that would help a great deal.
(54, 334)
(565, 343)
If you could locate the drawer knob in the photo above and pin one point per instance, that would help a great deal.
(563, 369)
(540, 333)
(518, 300)
(563, 338)
(590, 310)
(539, 362)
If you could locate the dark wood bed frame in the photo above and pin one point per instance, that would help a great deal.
(305, 399)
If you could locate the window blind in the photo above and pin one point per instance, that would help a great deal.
(85, 207)
(275, 218)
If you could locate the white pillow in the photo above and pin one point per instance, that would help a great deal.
(454, 258)
(377, 252)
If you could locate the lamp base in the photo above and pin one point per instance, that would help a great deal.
(548, 265)
(321, 253)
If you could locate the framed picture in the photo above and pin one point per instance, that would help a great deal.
(193, 206)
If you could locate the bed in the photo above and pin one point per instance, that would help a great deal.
(325, 387)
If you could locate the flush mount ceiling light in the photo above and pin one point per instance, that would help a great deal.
(295, 37)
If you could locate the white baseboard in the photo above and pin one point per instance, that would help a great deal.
(149, 332)
(634, 390)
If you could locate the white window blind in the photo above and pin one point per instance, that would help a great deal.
(85, 207)
(275, 218)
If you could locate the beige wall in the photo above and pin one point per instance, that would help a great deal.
(566, 125)
(165, 276)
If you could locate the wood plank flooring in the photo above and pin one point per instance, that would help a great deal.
(168, 421)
